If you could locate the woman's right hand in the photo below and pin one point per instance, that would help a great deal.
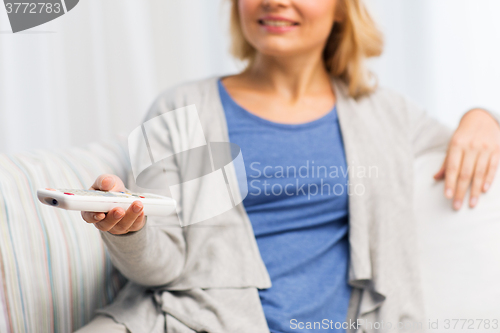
(117, 221)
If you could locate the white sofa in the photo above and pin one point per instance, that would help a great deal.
(54, 270)
(459, 254)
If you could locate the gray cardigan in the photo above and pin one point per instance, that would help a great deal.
(206, 276)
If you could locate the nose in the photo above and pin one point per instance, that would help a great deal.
(268, 4)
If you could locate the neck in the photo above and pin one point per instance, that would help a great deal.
(291, 77)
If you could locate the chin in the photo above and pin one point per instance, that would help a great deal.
(274, 50)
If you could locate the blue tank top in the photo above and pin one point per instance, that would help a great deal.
(298, 207)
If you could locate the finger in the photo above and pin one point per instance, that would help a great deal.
(453, 163)
(440, 174)
(112, 217)
(492, 170)
(464, 178)
(139, 223)
(136, 225)
(104, 182)
(479, 176)
(93, 217)
(130, 217)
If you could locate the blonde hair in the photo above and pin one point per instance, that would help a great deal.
(350, 43)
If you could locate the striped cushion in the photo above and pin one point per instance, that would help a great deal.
(54, 269)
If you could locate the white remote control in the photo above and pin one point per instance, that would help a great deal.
(100, 201)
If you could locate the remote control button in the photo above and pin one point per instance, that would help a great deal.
(50, 189)
(67, 193)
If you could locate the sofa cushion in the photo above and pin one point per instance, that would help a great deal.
(459, 251)
(54, 269)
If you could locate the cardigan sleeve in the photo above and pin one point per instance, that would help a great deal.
(153, 256)
(426, 132)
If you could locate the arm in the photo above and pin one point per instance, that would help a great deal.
(150, 257)
(427, 133)
(148, 253)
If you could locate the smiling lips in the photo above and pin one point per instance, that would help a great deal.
(277, 24)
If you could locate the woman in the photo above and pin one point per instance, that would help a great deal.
(291, 260)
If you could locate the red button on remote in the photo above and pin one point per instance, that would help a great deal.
(68, 193)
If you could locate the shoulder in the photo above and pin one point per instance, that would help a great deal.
(189, 111)
(191, 88)
(199, 93)
(383, 104)
(389, 100)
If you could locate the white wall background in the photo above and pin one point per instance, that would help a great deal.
(92, 73)
(445, 54)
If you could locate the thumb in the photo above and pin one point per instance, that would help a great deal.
(104, 183)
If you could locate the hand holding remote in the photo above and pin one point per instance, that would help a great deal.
(117, 221)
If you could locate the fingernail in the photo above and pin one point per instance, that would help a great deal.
(137, 208)
(473, 201)
(118, 214)
(457, 204)
(108, 180)
(486, 187)
(96, 217)
(449, 193)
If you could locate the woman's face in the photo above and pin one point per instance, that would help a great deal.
(287, 27)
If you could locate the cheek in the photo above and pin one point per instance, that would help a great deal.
(318, 16)
(248, 10)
